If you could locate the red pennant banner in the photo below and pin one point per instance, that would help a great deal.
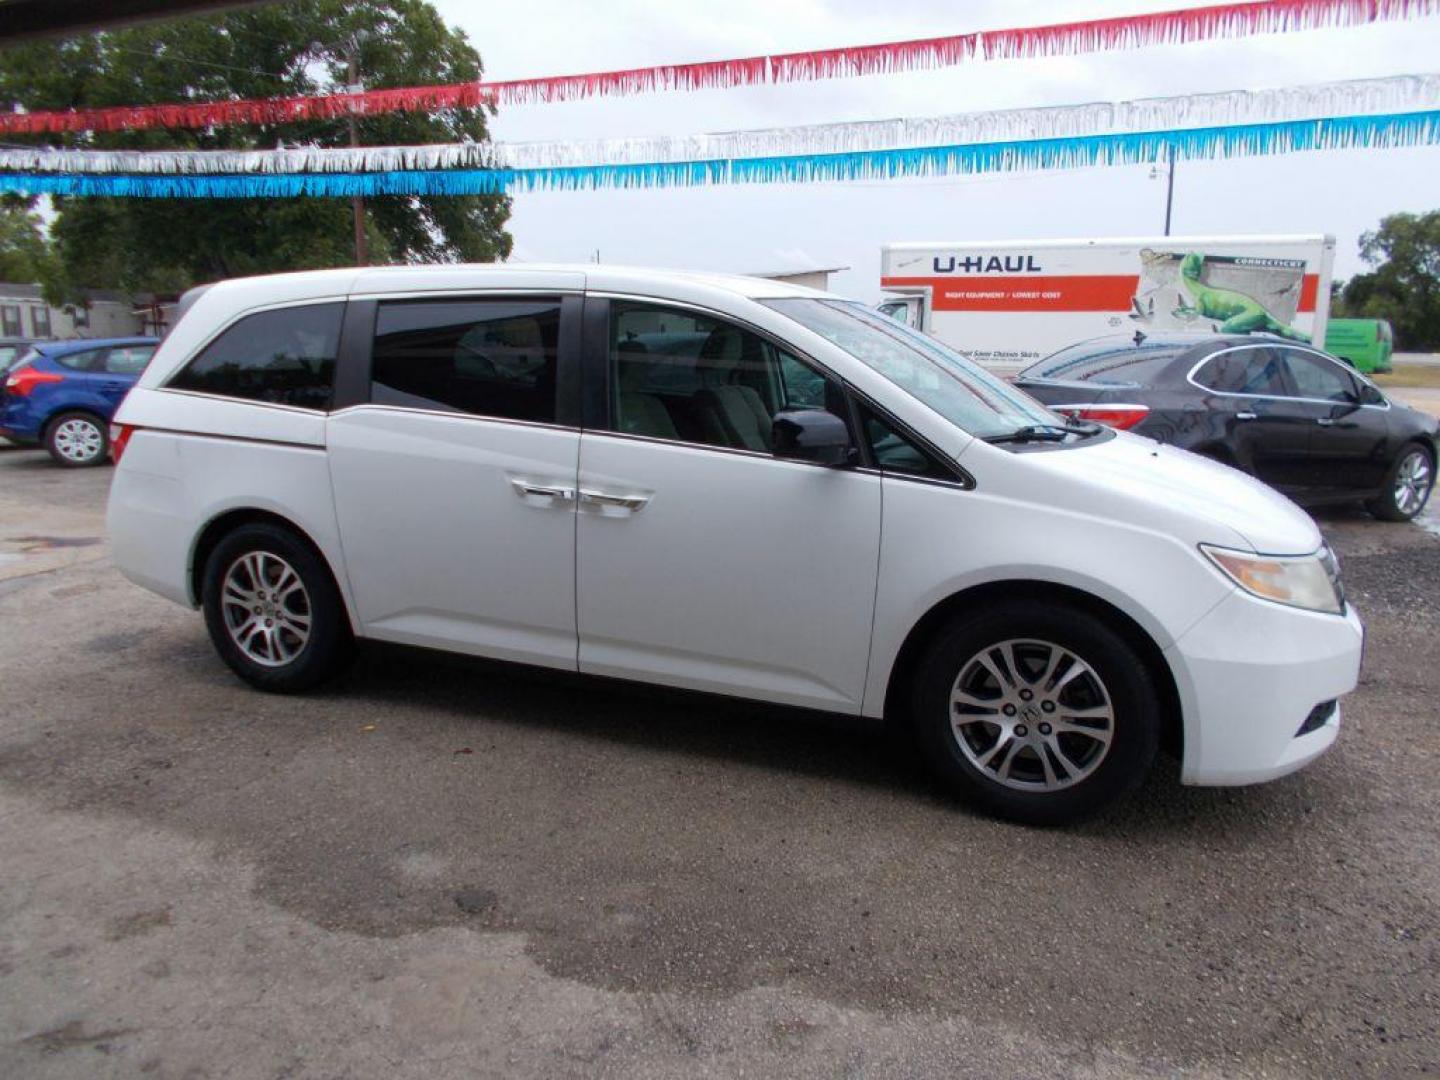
(1096, 35)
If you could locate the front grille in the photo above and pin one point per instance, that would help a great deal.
(1318, 718)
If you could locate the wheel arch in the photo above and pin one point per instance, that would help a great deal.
(66, 410)
(1172, 735)
(226, 522)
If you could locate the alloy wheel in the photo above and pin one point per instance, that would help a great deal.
(1412, 482)
(1031, 715)
(266, 608)
(79, 440)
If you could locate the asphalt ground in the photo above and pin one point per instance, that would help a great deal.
(443, 867)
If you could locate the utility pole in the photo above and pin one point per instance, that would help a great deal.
(357, 203)
(1169, 184)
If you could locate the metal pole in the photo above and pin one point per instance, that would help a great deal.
(1169, 186)
(357, 203)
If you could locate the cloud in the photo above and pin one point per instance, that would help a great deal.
(733, 228)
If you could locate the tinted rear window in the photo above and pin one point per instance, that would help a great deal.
(1251, 369)
(487, 357)
(285, 356)
(1119, 363)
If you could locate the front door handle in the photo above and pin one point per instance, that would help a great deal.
(1325, 421)
(525, 489)
(1244, 416)
(605, 500)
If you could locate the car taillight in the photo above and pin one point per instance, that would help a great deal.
(119, 439)
(1120, 417)
(21, 382)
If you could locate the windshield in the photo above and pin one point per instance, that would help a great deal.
(1110, 363)
(968, 396)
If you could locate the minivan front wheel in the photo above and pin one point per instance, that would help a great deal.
(273, 611)
(1040, 713)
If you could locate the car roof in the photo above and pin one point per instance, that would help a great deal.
(62, 348)
(440, 276)
(1176, 339)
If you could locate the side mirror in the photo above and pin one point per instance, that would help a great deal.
(1370, 395)
(812, 435)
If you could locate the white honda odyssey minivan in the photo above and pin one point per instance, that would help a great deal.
(731, 485)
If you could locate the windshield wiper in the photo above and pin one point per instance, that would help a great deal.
(1043, 433)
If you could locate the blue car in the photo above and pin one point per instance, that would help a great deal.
(63, 394)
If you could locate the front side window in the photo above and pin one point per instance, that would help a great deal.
(485, 357)
(1316, 377)
(895, 452)
(968, 396)
(128, 359)
(1253, 370)
(686, 376)
(285, 357)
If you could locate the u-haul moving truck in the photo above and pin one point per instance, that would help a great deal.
(1009, 303)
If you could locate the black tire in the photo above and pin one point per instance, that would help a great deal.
(63, 447)
(330, 643)
(1386, 506)
(1121, 673)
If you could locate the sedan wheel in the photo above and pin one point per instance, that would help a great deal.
(1412, 482)
(1408, 487)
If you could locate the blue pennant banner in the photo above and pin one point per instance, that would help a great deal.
(1379, 131)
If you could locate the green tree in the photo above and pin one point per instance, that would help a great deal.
(1404, 286)
(271, 50)
(25, 251)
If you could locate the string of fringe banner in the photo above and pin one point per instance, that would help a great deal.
(1381, 131)
(1059, 39)
(1402, 93)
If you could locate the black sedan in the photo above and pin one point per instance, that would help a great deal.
(1298, 418)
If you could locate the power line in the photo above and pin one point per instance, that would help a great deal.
(168, 55)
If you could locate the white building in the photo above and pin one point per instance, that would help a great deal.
(104, 313)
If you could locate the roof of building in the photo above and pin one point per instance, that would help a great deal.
(17, 290)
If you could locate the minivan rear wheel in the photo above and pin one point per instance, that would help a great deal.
(273, 611)
(1036, 712)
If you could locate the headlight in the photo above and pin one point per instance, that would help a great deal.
(1304, 581)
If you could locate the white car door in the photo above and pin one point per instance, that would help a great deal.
(702, 560)
(454, 485)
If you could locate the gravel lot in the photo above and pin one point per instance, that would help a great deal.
(442, 867)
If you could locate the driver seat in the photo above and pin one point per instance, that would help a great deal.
(731, 413)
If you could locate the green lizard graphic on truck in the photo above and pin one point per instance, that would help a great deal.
(1236, 312)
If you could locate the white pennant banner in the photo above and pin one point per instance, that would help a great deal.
(1396, 94)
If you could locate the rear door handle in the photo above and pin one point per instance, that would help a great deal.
(1244, 416)
(527, 489)
(605, 500)
(1324, 421)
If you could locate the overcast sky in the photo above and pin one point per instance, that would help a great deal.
(777, 226)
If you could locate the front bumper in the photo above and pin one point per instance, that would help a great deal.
(1249, 674)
